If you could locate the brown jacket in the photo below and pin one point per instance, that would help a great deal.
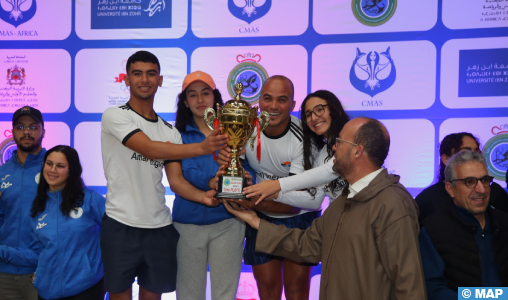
(368, 245)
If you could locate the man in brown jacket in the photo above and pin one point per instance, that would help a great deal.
(367, 239)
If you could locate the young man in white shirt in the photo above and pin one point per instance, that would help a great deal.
(138, 238)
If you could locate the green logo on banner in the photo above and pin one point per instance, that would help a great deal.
(373, 12)
(496, 153)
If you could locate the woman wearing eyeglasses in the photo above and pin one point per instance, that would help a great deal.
(322, 118)
(66, 224)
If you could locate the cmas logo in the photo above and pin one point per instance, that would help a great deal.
(372, 73)
(248, 10)
(17, 12)
(7, 146)
(16, 75)
(251, 74)
(373, 12)
(496, 152)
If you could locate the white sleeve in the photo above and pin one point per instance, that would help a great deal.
(118, 124)
(303, 199)
(310, 178)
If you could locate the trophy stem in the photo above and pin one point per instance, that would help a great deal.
(234, 168)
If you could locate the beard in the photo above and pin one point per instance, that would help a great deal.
(342, 165)
(29, 148)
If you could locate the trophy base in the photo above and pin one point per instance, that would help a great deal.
(231, 187)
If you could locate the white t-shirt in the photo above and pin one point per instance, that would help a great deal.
(301, 198)
(135, 192)
(280, 156)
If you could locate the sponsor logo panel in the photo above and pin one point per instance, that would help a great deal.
(474, 73)
(252, 66)
(26, 80)
(247, 18)
(109, 84)
(131, 19)
(483, 72)
(371, 16)
(411, 155)
(28, 19)
(476, 14)
(377, 76)
(493, 136)
(114, 14)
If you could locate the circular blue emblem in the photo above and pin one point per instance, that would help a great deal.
(6, 148)
(496, 153)
(227, 182)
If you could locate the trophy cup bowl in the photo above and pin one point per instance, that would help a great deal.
(238, 120)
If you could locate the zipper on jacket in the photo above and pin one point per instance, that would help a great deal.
(58, 247)
(479, 256)
(21, 208)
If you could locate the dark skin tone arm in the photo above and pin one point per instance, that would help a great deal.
(142, 144)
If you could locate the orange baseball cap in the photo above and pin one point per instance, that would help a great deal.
(198, 75)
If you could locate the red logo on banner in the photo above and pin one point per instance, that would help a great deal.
(120, 77)
(499, 129)
(248, 57)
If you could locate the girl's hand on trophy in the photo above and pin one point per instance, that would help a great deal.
(264, 189)
(209, 199)
(248, 216)
(249, 178)
(224, 156)
(219, 172)
(214, 141)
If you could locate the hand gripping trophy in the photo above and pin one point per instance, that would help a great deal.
(238, 120)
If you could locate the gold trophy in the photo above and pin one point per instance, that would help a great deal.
(238, 120)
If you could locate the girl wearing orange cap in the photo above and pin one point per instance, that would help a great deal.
(209, 235)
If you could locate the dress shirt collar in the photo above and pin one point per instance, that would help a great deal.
(362, 183)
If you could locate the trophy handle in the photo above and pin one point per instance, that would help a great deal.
(263, 123)
(209, 120)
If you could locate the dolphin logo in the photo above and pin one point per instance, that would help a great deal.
(250, 12)
(373, 84)
(17, 12)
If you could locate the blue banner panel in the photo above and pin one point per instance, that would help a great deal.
(483, 72)
(500, 293)
(114, 14)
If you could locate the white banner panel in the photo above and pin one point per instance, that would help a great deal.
(87, 141)
(139, 19)
(474, 73)
(240, 18)
(464, 14)
(377, 76)
(57, 133)
(368, 16)
(109, 87)
(252, 66)
(411, 155)
(40, 78)
(35, 20)
(493, 136)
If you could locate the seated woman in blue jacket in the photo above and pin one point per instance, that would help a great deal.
(66, 224)
(209, 235)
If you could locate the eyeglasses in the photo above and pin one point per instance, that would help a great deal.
(58, 167)
(318, 110)
(471, 182)
(29, 127)
(339, 140)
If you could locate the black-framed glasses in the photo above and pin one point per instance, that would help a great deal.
(339, 140)
(29, 127)
(318, 110)
(471, 182)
